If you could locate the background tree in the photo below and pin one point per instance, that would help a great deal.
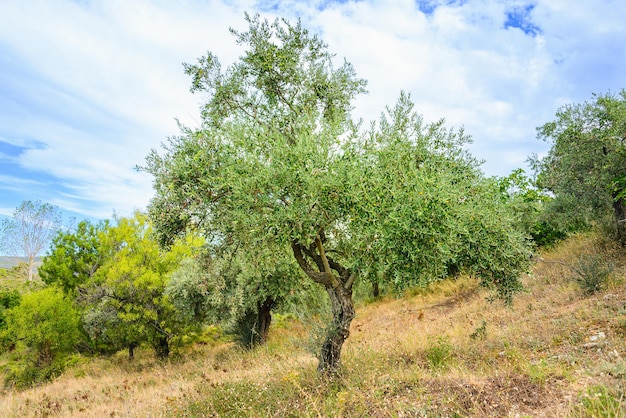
(528, 203)
(279, 164)
(222, 287)
(30, 230)
(126, 305)
(74, 256)
(586, 165)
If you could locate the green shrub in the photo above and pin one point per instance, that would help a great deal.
(592, 273)
(44, 330)
(8, 300)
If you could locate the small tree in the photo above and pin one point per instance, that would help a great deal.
(586, 165)
(528, 203)
(30, 230)
(125, 300)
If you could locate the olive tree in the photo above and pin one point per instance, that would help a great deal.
(585, 167)
(279, 164)
(221, 286)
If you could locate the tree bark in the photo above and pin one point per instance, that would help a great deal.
(264, 319)
(131, 351)
(162, 348)
(619, 210)
(339, 330)
(31, 266)
(338, 285)
(375, 289)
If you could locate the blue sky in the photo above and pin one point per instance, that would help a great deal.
(88, 87)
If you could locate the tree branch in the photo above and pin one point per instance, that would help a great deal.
(316, 276)
(348, 284)
(312, 254)
(331, 277)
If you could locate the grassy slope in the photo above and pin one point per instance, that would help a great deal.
(442, 352)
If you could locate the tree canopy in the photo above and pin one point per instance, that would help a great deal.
(74, 256)
(125, 302)
(586, 165)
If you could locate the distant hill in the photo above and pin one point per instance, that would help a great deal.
(8, 261)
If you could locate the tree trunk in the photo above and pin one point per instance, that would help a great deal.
(619, 210)
(375, 289)
(264, 319)
(339, 289)
(31, 266)
(339, 330)
(131, 351)
(162, 348)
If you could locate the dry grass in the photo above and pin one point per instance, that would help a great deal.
(442, 352)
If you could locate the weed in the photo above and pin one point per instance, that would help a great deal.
(439, 354)
(600, 401)
(592, 273)
(480, 333)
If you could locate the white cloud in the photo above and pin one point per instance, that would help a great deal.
(89, 87)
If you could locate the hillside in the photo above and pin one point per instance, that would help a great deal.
(444, 351)
(7, 262)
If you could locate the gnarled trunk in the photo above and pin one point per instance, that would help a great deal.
(338, 282)
(339, 330)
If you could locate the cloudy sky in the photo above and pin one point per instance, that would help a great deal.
(88, 87)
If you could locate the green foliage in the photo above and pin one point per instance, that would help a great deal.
(600, 401)
(269, 125)
(592, 272)
(17, 273)
(44, 329)
(585, 165)
(23, 372)
(423, 210)
(528, 202)
(224, 289)
(125, 302)
(261, 173)
(74, 256)
(8, 300)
